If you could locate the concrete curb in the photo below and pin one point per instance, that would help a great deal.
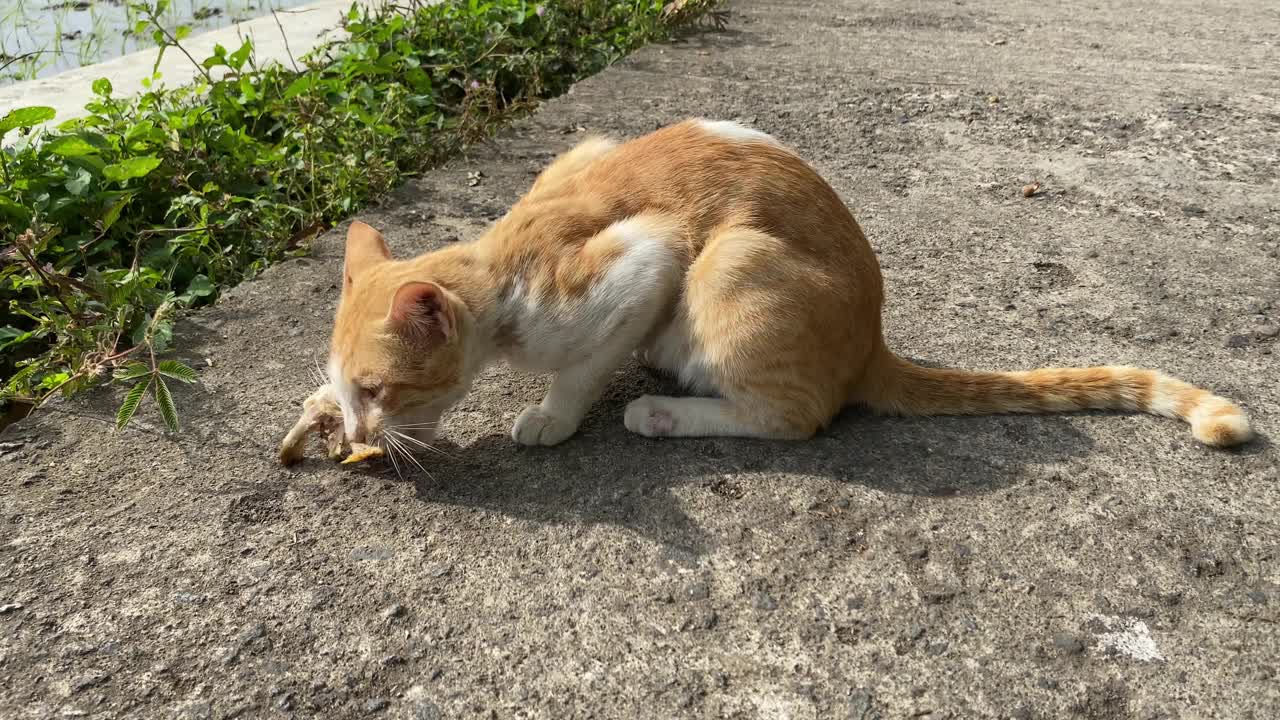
(306, 28)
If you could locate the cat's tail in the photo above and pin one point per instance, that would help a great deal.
(895, 386)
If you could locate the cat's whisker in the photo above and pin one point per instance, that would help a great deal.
(391, 454)
(425, 446)
(409, 456)
(415, 426)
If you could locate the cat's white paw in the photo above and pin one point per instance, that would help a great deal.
(536, 426)
(646, 416)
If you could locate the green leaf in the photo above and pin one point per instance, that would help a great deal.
(165, 401)
(302, 85)
(133, 371)
(77, 183)
(20, 214)
(199, 287)
(25, 117)
(132, 168)
(181, 32)
(130, 404)
(162, 334)
(238, 58)
(113, 213)
(102, 86)
(177, 371)
(144, 129)
(21, 378)
(71, 146)
(13, 336)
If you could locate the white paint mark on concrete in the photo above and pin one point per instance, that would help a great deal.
(1127, 636)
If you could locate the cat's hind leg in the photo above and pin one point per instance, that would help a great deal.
(767, 332)
(662, 416)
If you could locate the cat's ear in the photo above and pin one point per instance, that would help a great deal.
(422, 310)
(365, 247)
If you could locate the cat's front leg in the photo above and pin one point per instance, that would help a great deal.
(573, 391)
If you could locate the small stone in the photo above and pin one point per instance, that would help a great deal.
(1022, 713)
(1258, 596)
(697, 591)
(1068, 643)
(376, 705)
(187, 598)
(374, 553)
(91, 680)
(915, 632)
(938, 595)
(1267, 331)
(862, 706)
(253, 632)
(967, 302)
(1205, 565)
(426, 710)
(320, 597)
(1046, 683)
(394, 611)
(10, 607)
(764, 601)
(919, 552)
(1030, 189)
(285, 702)
(393, 660)
(1236, 341)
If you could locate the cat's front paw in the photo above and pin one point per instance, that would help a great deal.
(536, 426)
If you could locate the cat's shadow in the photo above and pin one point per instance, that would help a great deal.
(605, 474)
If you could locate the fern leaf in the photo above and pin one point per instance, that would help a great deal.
(177, 371)
(133, 371)
(19, 379)
(130, 404)
(165, 401)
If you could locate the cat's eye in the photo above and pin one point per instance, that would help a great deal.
(370, 392)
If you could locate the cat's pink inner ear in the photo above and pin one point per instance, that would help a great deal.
(365, 247)
(422, 308)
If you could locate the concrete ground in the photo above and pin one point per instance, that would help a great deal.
(1092, 565)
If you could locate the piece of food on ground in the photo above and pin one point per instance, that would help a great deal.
(361, 452)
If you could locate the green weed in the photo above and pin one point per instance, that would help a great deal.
(115, 223)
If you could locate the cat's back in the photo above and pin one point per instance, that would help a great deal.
(717, 173)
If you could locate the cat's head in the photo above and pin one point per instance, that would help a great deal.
(398, 357)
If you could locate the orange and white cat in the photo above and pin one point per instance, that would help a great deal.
(708, 250)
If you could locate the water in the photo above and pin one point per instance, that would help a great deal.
(38, 39)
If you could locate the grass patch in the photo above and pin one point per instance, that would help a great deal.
(117, 222)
